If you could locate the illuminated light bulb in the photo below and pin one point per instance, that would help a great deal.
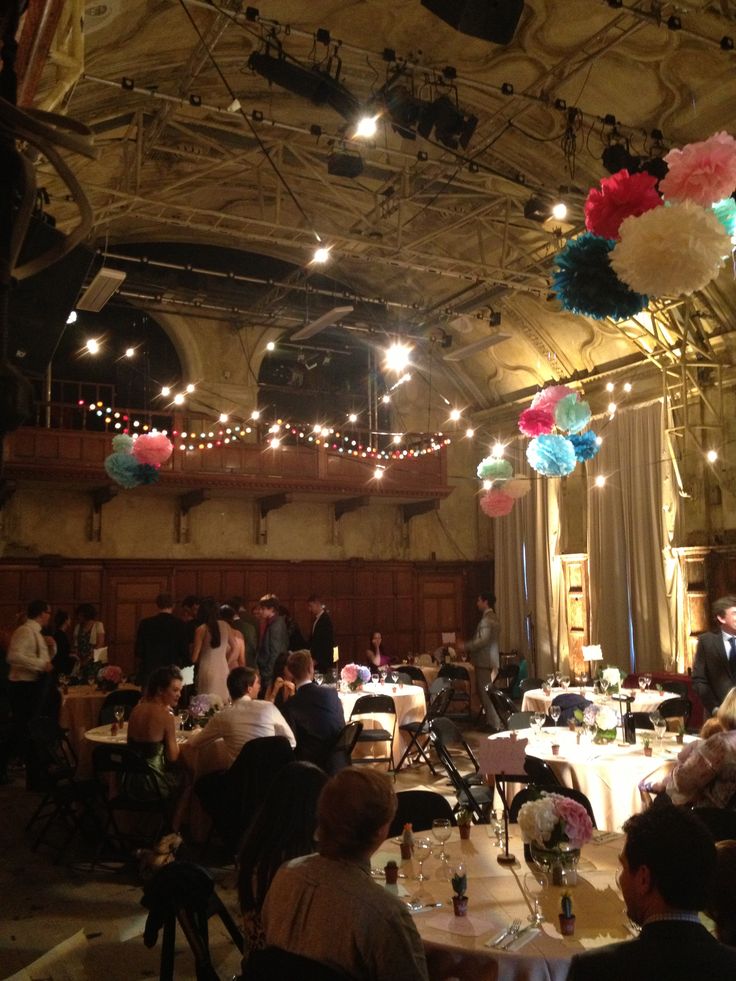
(366, 128)
(610, 386)
(130, 352)
(321, 255)
(165, 391)
(627, 387)
(136, 423)
(559, 211)
(72, 318)
(599, 441)
(455, 415)
(91, 406)
(255, 414)
(711, 456)
(190, 388)
(386, 399)
(397, 357)
(271, 346)
(275, 443)
(498, 450)
(209, 446)
(396, 439)
(178, 399)
(611, 408)
(487, 484)
(378, 472)
(224, 417)
(247, 429)
(600, 480)
(469, 433)
(92, 345)
(317, 429)
(352, 417)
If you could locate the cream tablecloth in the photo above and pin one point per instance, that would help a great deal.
(410, 705)
(80, 710)
(647, 701)
(430, 672)
(498, 894)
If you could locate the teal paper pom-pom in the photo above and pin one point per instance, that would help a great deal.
(148, 474)
(585, 445)
(725, 212)
(123, 469)
(122, 443)
(552, 456)
(494, 468)
(586, 283)
(571, 415)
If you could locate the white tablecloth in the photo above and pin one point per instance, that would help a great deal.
(411, 706)
(644, 701)
(607, 774)
(497, 894)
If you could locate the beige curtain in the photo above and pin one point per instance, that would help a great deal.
(629, 609)
(529, 537)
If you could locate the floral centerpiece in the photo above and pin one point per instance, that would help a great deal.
(602, 719)
(203, 707)
(355, 676)
(555, 828)
(613, 677)
(109, 677)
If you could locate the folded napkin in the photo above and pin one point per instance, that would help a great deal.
(523, 938)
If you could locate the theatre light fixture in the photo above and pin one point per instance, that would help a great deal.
(319, 86)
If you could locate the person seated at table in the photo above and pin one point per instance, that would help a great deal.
(705, 775)
(244, 719)
(326, 906)
(668, 866)
(283, 828)
(375, 655)
(722, 906)
(709, 728)
(282, 686)
(314, 711)
(152, 736)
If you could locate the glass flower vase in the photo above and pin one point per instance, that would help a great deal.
(559, 863)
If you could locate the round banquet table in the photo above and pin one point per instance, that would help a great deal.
(80, 710)
(411, 706)
(535, 700)
(608, 774)
(456, 947)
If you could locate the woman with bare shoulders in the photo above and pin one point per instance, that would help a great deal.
(211, 651)
(236, 655)
(152, 736)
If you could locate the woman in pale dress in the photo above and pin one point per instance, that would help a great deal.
(236, 655)
(211, 650)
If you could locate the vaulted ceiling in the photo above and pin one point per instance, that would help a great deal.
(429, 240)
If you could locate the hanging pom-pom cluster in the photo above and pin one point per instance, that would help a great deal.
(556, 451)
(636, 248)
(500, 486)
(134, 462)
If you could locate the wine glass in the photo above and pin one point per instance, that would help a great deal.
(660, 727)
(538, 720)
(375, 677)
(642, 683)
(394, 677)
(555, 712)
(604, 685)
(119, 713)
(495, 828)
(550, 680)
(647, 680)
(319, 678)
(441, 829)
(565, 681)
(383, 671)
(422, 851)
(535, 882)
(183, 718)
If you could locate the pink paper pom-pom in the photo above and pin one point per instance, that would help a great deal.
(496, 504)
(536, 421)
(153, 448)
(550, 396)
(702, 172)
(619, 197)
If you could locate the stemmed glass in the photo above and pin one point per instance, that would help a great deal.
(374, 678)
(495, 828)
(119, 714)
(660, 727)
(394, 677)
(647, 680)
(441, 829)
(604, 685)
(422, 851)
(565, 681)
(550, 680)
(535, 883)
(383, 671)
(183, 718)
(642, 683)
(555, 712)
(537, 721)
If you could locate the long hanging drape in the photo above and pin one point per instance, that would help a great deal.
(629, 608)
(528, 573)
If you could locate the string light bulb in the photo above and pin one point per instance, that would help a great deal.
(396, 439)
(190, 388)
(397, 357)
(378, 473)
(271, 346)
(627, 387)
(130, 352)
(275, 442)
(224, 417)
(455, 415)
(600, 480)
(559, 211)
(366, 128)
(178, 399)
(610, 386)
(386, 399)
(611, 408)
(92, 345)
(469, 433)
(498, 450)
(255, 414)
(321, 255)
(165, 391)
(711, 456)
(72, 318)
(352, 417)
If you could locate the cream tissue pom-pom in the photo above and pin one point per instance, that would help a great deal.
(670, 251)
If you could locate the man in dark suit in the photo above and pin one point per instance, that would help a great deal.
(161, 639)
(314, 712)
(668, 864)
(322, 637)
(714, 670)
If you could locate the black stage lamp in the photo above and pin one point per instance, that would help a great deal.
(617, 157)
(452, 127)
(403, 109)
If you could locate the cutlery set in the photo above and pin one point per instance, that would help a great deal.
(508, 937)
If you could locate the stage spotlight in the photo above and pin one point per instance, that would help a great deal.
(366, 128)
(616, 157)
(452, 127)
(403, 109)
(397, 357)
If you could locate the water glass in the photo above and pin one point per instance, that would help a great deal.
(422, 851)
(442, 829)
(374, 678)
(119, 713)
(183, 718)
(565, 681)
(660, 727)
(642, 683)
(555, 712)
(319, 678)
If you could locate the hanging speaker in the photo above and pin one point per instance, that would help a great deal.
(490, 20)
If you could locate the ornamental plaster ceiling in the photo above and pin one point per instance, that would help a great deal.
(423, 246)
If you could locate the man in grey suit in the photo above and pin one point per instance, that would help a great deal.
(274, 640)
(714, 670)
(484, 654)
(668, 864)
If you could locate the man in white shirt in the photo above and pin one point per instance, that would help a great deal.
(29, 661)
(247, 718)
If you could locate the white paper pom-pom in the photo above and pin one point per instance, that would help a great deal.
(670, 251)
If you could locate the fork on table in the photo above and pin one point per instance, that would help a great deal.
(509, 934)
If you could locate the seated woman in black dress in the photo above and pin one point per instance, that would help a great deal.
(152, 736)
(282, 829)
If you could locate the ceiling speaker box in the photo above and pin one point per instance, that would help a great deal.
(490, 20)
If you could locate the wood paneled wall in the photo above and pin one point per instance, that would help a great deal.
(411, 603)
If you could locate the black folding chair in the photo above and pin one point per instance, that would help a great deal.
(474, 797)
(185, 893)
(642, 721)
(501, 702)
(128, 698)
(459, 676)
(416, 675)
(532, 792)
(720, 821)
(458, 747)
(506, 677)
(419, 731)
(676, 708)
(364, 708)
(530, 684)
(419, 808)
(341, 751)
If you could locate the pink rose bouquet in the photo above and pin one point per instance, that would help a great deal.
(553, 819)
(355, 676)
(111, 674)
